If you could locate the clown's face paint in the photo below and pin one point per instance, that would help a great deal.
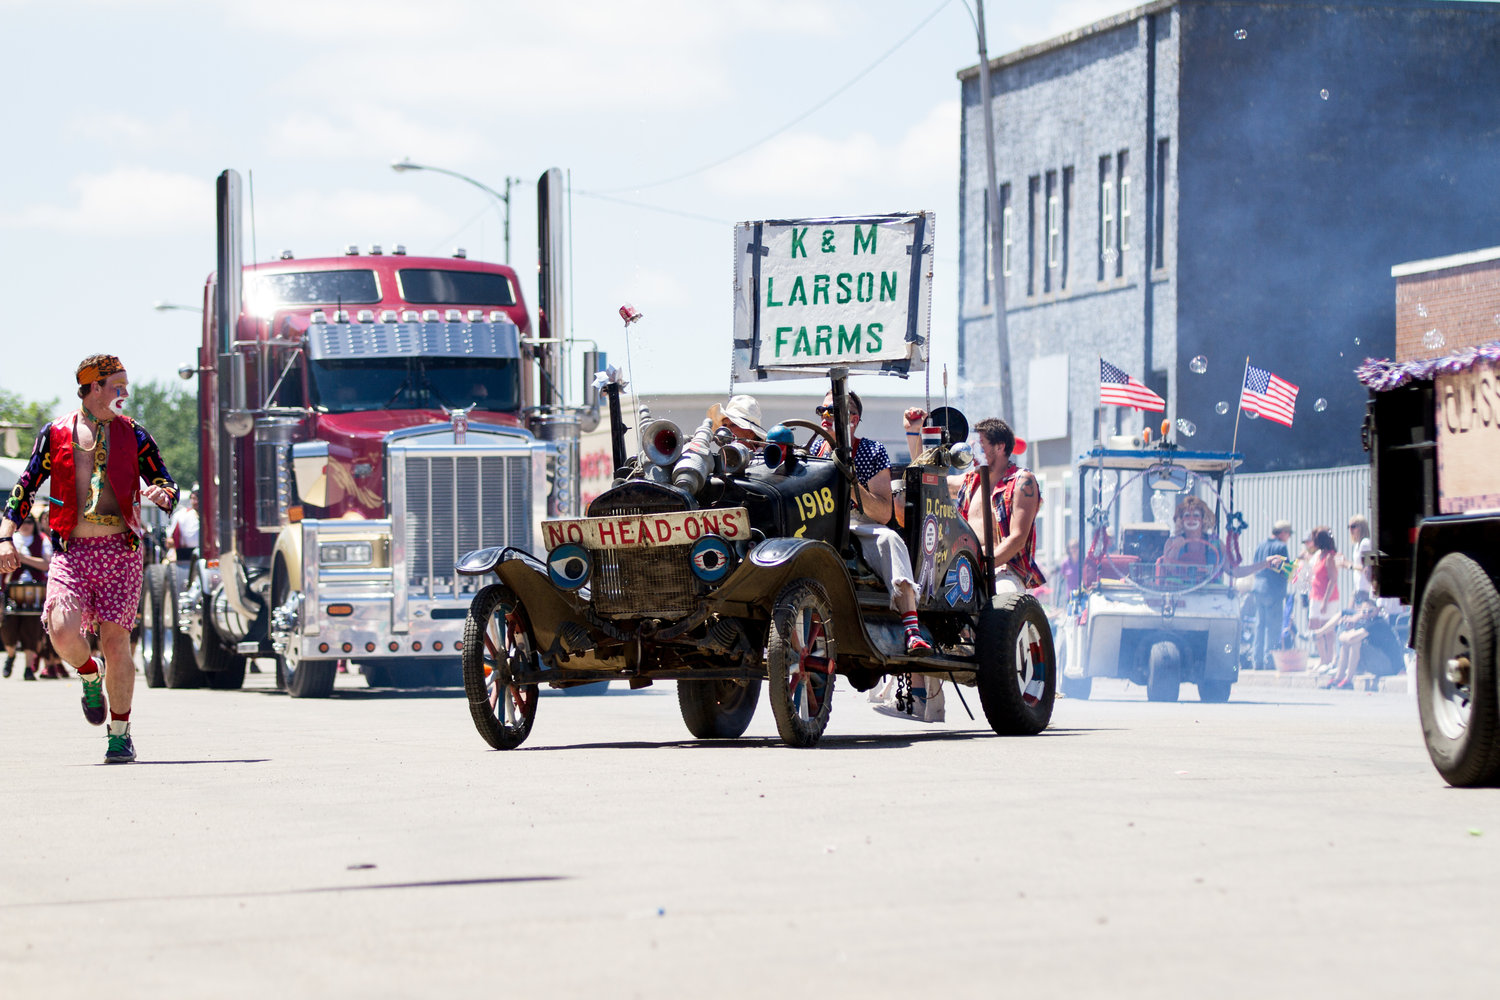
(117, 390)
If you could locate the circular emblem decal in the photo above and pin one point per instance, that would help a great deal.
(569, 566)
(711, 559)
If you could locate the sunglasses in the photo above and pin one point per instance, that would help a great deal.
(824, 410)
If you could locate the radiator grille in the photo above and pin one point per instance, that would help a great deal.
(637, 582)
(456, 504)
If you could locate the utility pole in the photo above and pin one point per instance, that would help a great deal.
(997, 226)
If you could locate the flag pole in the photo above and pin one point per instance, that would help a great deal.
(1239, 408)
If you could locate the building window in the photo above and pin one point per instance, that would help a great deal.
(1067, 213)
(989, 250)
(1107, 250)
(1007, 230)
(1162, 155)
(1053, 232)
(1033, 192)
(1123, 203)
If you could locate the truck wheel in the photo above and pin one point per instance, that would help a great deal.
(1164, 672)
(152, 637)
(801, 663)
(178, 668)
(1078, 687)
(718, 709)
(1214, 691)
(1017, 676)
(377, 675)
(497, 644)
(299, 678)
(1457, 628)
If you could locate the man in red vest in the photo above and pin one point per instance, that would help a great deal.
(96, 459)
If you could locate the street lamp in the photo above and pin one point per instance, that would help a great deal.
(162, 307)
(401, 166)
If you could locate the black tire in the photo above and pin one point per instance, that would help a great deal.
(497, 639)
(299, 678)
(718, 709)
(800, 668)
(1017, 675)
(1214, 691)
(230, 677)
(178, 667)
(152, 637)
(1458, 624)
(1077, 687)
(377, 675)
(1163, 672)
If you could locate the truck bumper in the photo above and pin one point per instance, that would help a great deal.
(363, 628)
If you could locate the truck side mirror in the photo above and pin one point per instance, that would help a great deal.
(310, 471)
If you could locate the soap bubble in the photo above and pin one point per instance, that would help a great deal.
(1323, 93)
(1186, 427)
(1421, 310)
(1198, 365)
(1227, 649)
(1251, 415)
(1356, 341)
(1221, 407)
(1240, 35)
(1321, 404)
(1433, 339)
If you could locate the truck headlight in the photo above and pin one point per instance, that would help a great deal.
(346, 553)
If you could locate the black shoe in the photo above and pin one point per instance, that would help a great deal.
(121, 748)
(93, 699)
(29, 675)
(10, 663)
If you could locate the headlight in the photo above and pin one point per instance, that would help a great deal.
(346, 553)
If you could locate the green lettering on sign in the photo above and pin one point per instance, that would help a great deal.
(849, 339)
(801, 346)
(844, 292)
(781, 332)
(798, 235)
(820, 289)
(824, 340)
(799, 293)
(874, 330)
(888, 286)
(864, 287)
(860, 241)
(770, 295)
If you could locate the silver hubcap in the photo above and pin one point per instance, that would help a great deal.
(1452, 691)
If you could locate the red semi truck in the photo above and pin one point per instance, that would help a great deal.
(365, 420)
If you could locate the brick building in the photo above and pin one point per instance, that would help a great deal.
(1447, 303)
(1221, 179)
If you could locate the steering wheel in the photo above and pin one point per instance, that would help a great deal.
(833, 453)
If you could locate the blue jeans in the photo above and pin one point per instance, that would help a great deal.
(1267, 630)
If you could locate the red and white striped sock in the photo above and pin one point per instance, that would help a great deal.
(910, 621)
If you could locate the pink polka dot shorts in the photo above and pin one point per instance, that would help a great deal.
(101, 577)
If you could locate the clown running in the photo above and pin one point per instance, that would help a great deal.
(96, 459)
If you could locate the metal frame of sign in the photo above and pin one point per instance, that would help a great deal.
(753, 294)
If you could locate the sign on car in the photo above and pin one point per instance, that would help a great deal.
(647, 530)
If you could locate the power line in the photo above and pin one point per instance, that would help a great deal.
(809, 112)
(652, 208)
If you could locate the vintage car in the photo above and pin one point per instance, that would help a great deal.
(1151, 609)
(720, 569)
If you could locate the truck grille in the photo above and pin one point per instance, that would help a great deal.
(635, 583)
(456, 504)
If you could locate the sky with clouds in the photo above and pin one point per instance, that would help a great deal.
(122, 112)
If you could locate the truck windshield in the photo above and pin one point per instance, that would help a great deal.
(455, 288)
(312, 288)
(350, 385)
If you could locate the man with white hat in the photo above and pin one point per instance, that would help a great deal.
(742, 416)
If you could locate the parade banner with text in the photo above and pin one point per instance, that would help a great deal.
(811, 294)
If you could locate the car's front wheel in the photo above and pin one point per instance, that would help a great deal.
(1017, 675)
(497, 646)
(800, 663)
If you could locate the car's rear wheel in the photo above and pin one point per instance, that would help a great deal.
(1163, 672)
(718, 709)
(1017, 675)
(148, 654)
(800, 663)
(1458, 626)
(498, 645)
(1214, 691)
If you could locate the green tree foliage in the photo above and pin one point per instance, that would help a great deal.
(16, 441)
(170, 413)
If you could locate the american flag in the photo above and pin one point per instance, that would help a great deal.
(1118, 389)
(1268, 396)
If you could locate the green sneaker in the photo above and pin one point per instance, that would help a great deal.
(93, 698)
(121, 748)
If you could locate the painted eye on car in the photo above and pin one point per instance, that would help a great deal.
(569, 566)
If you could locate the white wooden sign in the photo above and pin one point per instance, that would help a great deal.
(810, 294)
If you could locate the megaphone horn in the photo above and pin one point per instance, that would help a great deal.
(735, 458)
(661, 440)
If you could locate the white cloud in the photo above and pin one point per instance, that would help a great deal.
(129, 200)
(805, 165)
(317, 223)
(379, 129)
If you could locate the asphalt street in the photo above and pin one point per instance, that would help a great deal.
(1288, 843)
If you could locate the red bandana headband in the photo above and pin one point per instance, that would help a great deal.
(106, 366)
